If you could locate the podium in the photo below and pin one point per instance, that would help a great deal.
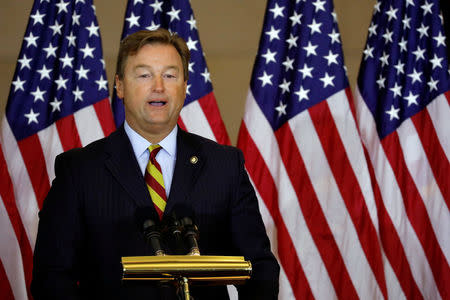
(187, 269)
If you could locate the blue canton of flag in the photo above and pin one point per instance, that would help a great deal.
(300, 60)
(60, 67)
(404, 38)
(176, 16)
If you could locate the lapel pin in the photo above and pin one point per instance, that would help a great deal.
(193, 159)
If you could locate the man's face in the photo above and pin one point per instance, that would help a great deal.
(153, 89)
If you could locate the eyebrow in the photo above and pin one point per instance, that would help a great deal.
(143, 66)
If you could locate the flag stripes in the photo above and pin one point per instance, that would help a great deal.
(310, 256)
(406, 211)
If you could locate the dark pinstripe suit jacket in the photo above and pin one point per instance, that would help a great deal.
(87, 222)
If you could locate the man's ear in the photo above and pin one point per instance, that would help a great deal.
(119, 86)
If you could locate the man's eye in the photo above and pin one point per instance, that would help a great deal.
(144, 75)
(169, 76)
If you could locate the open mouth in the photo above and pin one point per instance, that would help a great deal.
(157, 103)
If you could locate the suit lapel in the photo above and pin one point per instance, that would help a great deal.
(187, 168)
(123, 165)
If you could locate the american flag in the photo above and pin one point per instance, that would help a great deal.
(200, 113)
(306, 161)
(404, 117)
(58, 100)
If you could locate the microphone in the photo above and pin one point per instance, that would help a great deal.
(173, 228)
(153, 236)
(191, 235)
(150, 228)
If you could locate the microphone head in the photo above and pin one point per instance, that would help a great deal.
(144, 217)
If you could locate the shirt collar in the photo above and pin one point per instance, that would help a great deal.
(140, 144)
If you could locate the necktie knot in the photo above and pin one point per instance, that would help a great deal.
(154, 149)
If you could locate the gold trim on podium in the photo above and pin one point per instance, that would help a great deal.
(201, 269)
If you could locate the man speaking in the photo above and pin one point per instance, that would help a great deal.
(88, 220)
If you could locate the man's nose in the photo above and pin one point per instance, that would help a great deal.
(158, 84)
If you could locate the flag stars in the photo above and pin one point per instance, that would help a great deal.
(62, 6)
(188, 92)
(440, 39)
(82, 72)
(368, 52)
(396, 90)
(411, 98)
(409, 2)
(37, 18)
(93, 29)
(78, 94)
(423, 30)
(373, 29)
(393, 113)
(315, 27)
(174, 14)
(415, 76)
(281, 109)
(31, 40)
(56, 105)
(310, 49)
(436, 61)
(288, 64)
(433, 84)
(427, 8)
(18, 84)
(384, 59)
(273, 33)
(406, 22)
(331, 58)
(400, 67)
(32, 117)
(380, 81)
(71, 38)
(61, 83)
(284, 86)
(56, 28)
(319, 5)
(153, 26)
(191, 67)
(388, 36)
(277, 11)
(102, 83)
(38, 95)
(269, 56)
(327, 80)
(191, 44)
(265, 79)
(87, 51)
(157, 6)
(292, 41)
(192, 23)
(66, 60)
(206, 75)
(75, 19)
(391, 13)
(51, 50)
(45, 73)
(334, 37)
(295, 19)
(402, 45)
(419, 53)
(133, 20)
(25, 62)
(302, 94)
(306, 71)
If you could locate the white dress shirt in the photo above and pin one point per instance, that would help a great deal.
(166, 157)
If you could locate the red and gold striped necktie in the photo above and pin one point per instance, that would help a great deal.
(155, 182)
